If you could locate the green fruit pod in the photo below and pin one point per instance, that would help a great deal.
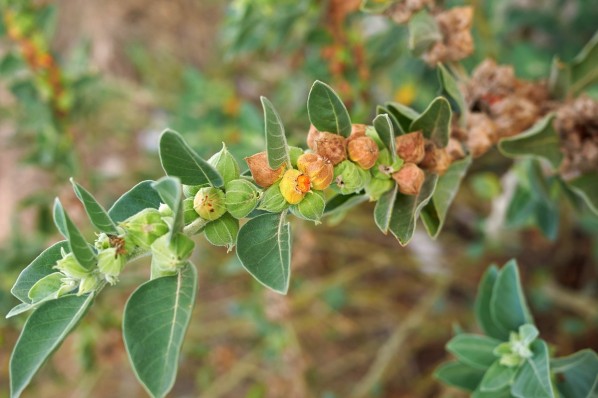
(225, 164)
(376, 187)
(189, 191)
(272, 200)
(241, 197)
(311, 207)
(223, 232)
(209, 203)
(350, 178)
(168, 255)
(143, 228)
(189, 213)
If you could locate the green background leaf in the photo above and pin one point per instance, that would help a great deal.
(276, 141)
(586, 187)
(584, 68)
(97, 214)
(497, 377)
(45, 329)
(155, 320)
(326, 110)
(577, 374)
(77, 243)
(435, 122)
(483, 304)
(141, 196)
(404, 114)
(180, 160)
(264, 248)
(423, 32)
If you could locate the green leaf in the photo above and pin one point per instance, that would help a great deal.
(404, 114)
(559, 80)
(539, 141)
(276, 142)
(434, 214)
(376, 6)
(533, 379)
(96, 213)
(264, 249)
(340, 203)
(504, 393)
(39, 268)
(384, 208)
(155, 320)
(459, 375)
(474, 350)
(77, 243)
(451, 88)
(435, 122)
(423, 32)
(42, 334)
(482, 305)
(326, 110)
(171, 192)
(140, 197)
(180, 160)
(46, 287)
(397, 127)
(497, 377)
(584, 68)
(508, 307)
(577, 374)
(407, 208)
(383, 126)
(585, 187)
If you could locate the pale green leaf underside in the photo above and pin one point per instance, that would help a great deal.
(264, 249)
(180, 160)
(435, 122)
(155, 320)
(140, 197)
(96, 212)
(42, 334)
(540, 141)
(326, 111)
(276, 141)
(584, 68)
(77, 243)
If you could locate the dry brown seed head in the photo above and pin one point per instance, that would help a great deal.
(455, 149)
(331, 147)
(411, 147)
(363, 151)
(263, 175)
(409, 179)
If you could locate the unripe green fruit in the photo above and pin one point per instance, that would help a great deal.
(209, 203)
(143, 228)
(169, 255)
(225, 164)
(88, 284)
(241, 197)
(189, 213)
(272, 200)
(350, 178)
(223, 232)
(311, 207)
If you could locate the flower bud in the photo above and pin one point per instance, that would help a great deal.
(330, 146)
(436, 160)
(241, 197)
(311, 207)
(319, 170)
(143, 228)
(410, 179)
(377, 187)
(294, 185)
(189, 213)
(294, 153)
(169, 255)
(411, 147)
(69, 266)
(209, 203)
(272, 200)
(363, 151)
(262, 174)
(349, 177)
(225, 164)
(223, 232)
(88, 284)
(110, 264)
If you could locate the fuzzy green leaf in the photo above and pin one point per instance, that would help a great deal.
(171, 192)
(326, 110)
(77, 243)
(155, 320)
(423, 32)
(497, 377)
(482, 305)
(397, 127)
(508, 307)
(435, 122)
(383, 126)
(42, 334)
(264, 249)
(451, 88)
(539, 141)
(180, 160)
(403, 114)
(434, 214)
(140, 197)
(584, 68)
(384, 208)
(95, 211)
(341, 203)
(474, 350)
(39, 268)
(276, 141)
(577, 374)
(586, 187)
(459, 375)
(533, 379)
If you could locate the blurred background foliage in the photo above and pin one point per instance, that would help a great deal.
(85, 90)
